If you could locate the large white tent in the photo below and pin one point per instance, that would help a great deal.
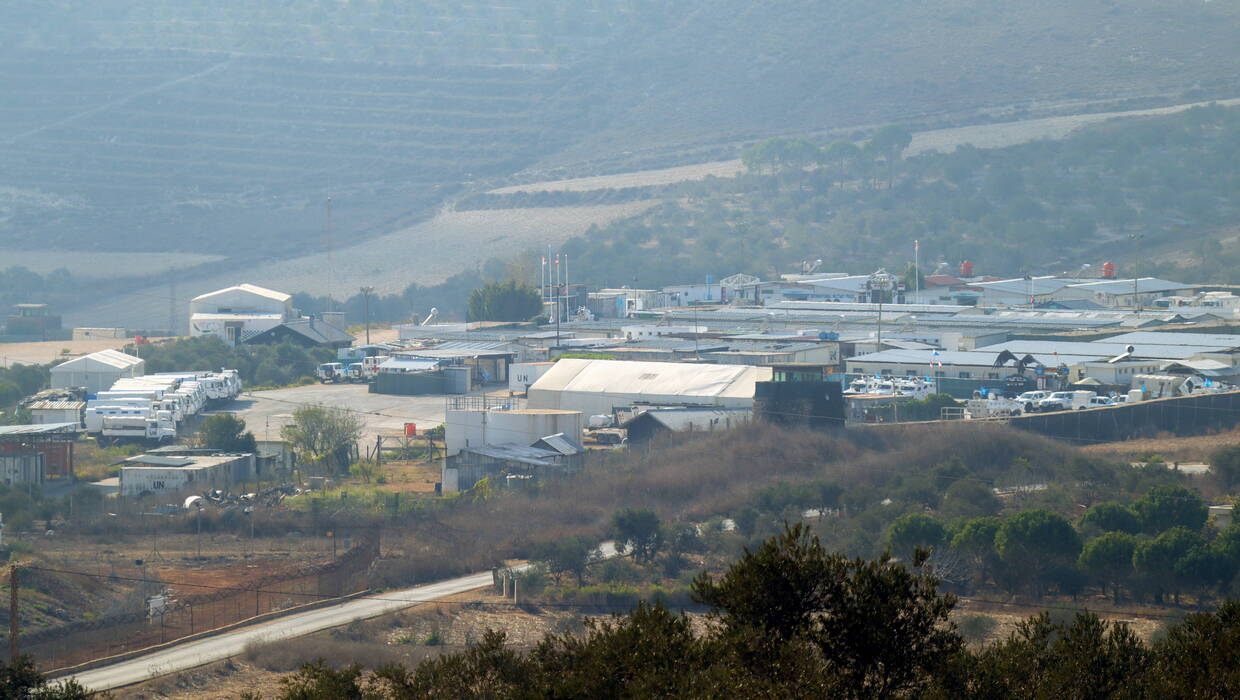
(597, 386)
(97, 371)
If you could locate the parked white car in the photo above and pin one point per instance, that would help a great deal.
(1030, 399)
(1066, 401)
(1099, 401)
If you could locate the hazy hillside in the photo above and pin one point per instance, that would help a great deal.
(222, 127)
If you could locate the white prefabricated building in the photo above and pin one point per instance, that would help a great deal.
(238, 313)
(477, 428)
(97, 371)
(522, 375)
(597, 386)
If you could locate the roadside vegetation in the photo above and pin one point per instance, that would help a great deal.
(791, 619)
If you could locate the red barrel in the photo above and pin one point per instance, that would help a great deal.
(411, 429)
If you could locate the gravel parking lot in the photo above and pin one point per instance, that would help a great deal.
(266, 411)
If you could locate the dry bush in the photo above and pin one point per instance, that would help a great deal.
(696, 478)
(290, 654)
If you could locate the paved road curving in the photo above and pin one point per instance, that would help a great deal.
(211, 649)
(222, 646)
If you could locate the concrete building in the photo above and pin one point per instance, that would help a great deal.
(598, 386)
(239, 313)
(159, 474)
(97, 371)
(466, 428)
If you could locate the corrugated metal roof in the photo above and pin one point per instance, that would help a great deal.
(45, 428)
(680, 419)
(1038, 285)
(1124, 286)
(1223, 341)
(156, 461)
(1107, 348)
(57, 405)
(972, 358)
(408, 364)
(559, 443)
(516, 452)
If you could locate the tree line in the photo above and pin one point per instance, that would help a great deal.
(860, 204)
(791, 619)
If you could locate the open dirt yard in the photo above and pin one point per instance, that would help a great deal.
(266, 411)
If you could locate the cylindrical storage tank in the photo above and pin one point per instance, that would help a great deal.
(1108, 270)
(966, 268)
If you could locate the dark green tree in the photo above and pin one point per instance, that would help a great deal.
(1038, 542)
(1225, 465)
(23, 680)
(975, 540)
(567, 555)
(1165, 507)
(1108, 560)
(1086, 658)
(879, 627)
(638, 530)
(226, 432)
(1157, 559)
(504, 301)
(912, 531)
(890, 142)
(1111, 517)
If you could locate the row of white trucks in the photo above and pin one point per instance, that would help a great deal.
(1152, 387)
(152, 407)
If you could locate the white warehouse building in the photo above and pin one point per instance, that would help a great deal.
(239, 313)
(97, 371)
(597, 386)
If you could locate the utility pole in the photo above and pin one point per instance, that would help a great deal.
(13, 626)
(1136, 270)
(366, 292)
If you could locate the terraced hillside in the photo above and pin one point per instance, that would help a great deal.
(222, 127)
(204, 151)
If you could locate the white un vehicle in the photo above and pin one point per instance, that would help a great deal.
(1066, 401)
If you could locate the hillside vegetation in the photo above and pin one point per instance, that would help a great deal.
(1044, 206)
(224, 126)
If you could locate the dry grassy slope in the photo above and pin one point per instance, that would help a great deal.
(426, 253)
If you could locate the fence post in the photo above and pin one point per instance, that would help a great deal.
(515, 598)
